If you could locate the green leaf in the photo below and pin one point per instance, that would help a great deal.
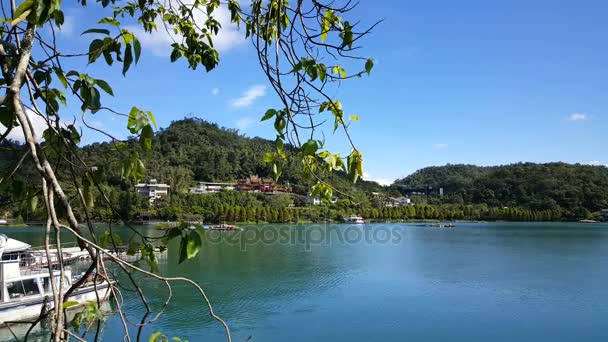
(279, 124)
(183, 249)
(326, 24)
(61, 77)
(69, 304)
(33, 203)
(109, 21)
(95, 102)
(279, 143)
(175, 54)
(127, 36)
(296, 67)
(156, 337)
(95, 49)
(137, 120)
(151, 116)
(136, 48)
(128, 59)
(354, 117)
(96, 30)
(194, 244)
(107, 55)
(355, 165)
(322, 70)
(310, 148)
(105, 86)
(22, 11)
(369, 65)
(339, 71)
(145, 140)
(139, 170)
(7, 117)
(269, 114)
(133, 248)
(276, 172)
(269, 157)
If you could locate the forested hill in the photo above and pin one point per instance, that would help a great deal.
(574, 187)
(191, 150)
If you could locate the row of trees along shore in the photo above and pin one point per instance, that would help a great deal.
(259, 208)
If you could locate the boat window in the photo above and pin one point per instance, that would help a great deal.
(10, 256)
(17, 289)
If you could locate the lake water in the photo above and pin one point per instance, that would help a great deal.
(387, 282)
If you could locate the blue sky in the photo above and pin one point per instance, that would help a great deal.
(481, 82)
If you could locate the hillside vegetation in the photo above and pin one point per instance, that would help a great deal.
(192, 150)
(574, 188)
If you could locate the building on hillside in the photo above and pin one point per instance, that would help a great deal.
(398, 202)
(428, 191)
(249, 184)
(211, 187)
(153, 189)
(259, 184)
(604, 214)
(317, 200)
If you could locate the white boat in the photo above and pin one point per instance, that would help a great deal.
(354, 219)
(25, 287)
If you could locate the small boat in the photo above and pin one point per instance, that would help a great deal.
(25, 286)
(3, 222)
(354, 219)
(442, 225)
(588, 221)
(223, 226)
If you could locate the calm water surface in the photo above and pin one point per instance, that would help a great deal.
(476, 282)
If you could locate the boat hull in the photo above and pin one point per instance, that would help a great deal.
(30, 308)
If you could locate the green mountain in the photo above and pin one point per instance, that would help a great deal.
(552, 186)
(191, 150)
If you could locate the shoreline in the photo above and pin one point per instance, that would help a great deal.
(260, 223)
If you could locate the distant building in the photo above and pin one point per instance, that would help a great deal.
(317, 200)
(249, 184)
(604, 214)
(259, 184)
(153, 190)
(428, 191)
(211, 187)
(398, 202)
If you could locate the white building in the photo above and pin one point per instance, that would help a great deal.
(153, 190)
(398, 202)
(317, 200)
(211, 187)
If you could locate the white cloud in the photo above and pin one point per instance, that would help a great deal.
(158, 42)
(578, 117)
(245, 123)
(596, 163)
(381, 181)
(440, 146)
(248, 96)
(68, 25)
(215, 91)
(38, 123)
